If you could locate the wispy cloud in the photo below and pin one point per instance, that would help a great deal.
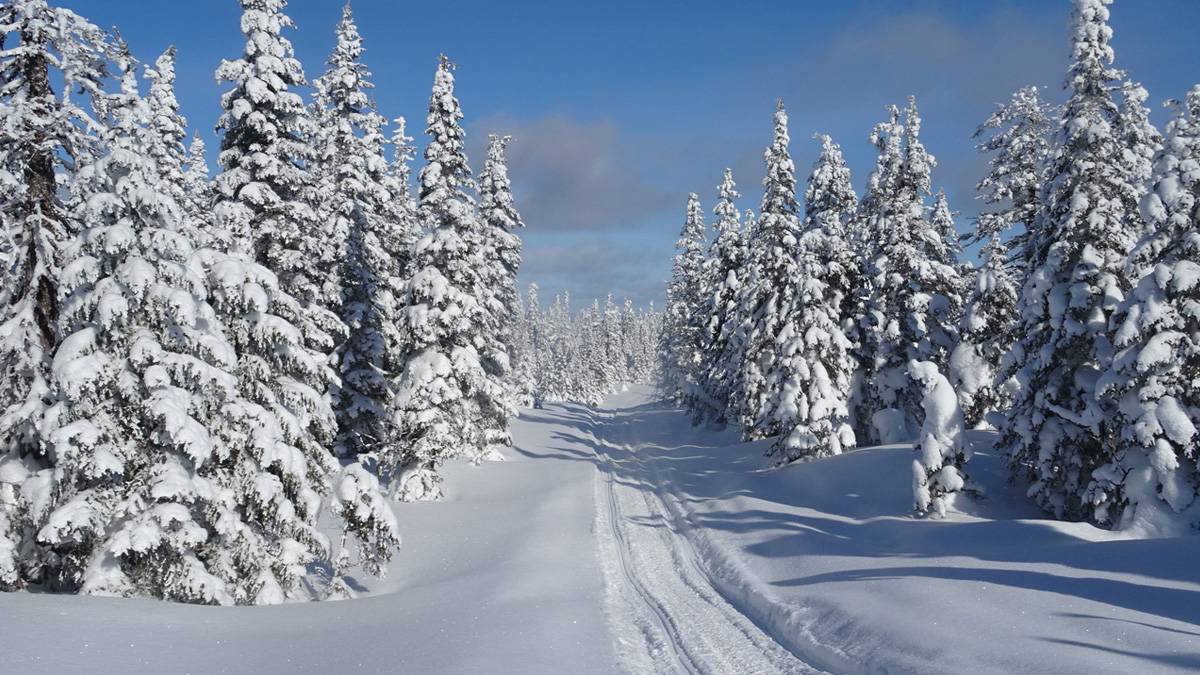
(571, 175)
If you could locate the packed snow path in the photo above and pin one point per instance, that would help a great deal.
(660, 589)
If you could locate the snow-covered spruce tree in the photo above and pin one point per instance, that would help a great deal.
(1139, 140)
(1152, 454)
(1019, 135)
(591, 367)
(1056, 431)
(198, 187)
(629, 342)
(46, 138)
(501, 248)
(436, 412)
(357, 192)
(558, 374)
(814, 362)
(831, 204)
(168, 481)
(521, 377)
(683, 338)
(938, 472)
(986, 333)
(262, 220)
(539, 349)
(911, 268)
(264, 192)
(723, 275)
(772, 274)
(164, 143)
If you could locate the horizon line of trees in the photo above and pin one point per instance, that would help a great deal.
(827, 320)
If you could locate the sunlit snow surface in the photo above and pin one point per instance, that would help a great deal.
(816, 566)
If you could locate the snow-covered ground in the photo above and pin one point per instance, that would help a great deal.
(622, 539)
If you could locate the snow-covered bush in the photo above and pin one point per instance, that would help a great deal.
(938, 471)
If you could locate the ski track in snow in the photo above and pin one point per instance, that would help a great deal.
(660, 582)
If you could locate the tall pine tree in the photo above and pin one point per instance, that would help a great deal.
(47, 137)
(1056, 430)
(1151, 457)
(771, 276)
(436, 412)
(815, 364)
(911, 270)
(357, 192)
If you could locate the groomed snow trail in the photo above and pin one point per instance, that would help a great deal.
(660, 594)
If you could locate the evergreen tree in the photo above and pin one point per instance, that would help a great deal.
(987, 333)
(1019, 133)
(1139, 142)
(198, 188)
(46, 138)
(814, 363)
(264, 191)
(771, 275)
(436, 412)
(1056, 431)
(1151, 456)
(615, 370)
(682, 330)
(723, 275)
(357, 191)
(168, 129)
(911, 269)
(168, 481)
(501, 259)
(539, 351)
(263, 221)
(938, 472)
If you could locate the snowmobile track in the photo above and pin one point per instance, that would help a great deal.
(703, 631)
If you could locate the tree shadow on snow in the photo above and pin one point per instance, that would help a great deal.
(1170, 603)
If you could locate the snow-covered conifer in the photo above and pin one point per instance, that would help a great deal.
(46, 139)
(771, 284)
(198, 186)
(435, 414)
(1056, 431)
(357, 198)
(911, 268)
(264, 191)
(1019, 134)
(1152, 456)
(498, 220)
(986, 332)
(1139, 142)
(45, 135)
(682, 337)
(723, 276)
(615, 372)
(169, 479)
(814, 363)
(938, 472)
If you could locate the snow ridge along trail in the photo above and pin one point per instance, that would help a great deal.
(668, 615)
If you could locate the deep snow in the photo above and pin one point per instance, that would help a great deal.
(623, 539)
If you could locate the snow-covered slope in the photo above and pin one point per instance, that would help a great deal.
(825, 557)
(622, 539)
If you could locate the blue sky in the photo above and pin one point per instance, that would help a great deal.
(619, 109)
